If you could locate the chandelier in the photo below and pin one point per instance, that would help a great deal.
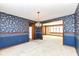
(38, 24)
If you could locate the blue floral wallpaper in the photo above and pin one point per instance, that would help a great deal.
(10, 23)
(69, 23)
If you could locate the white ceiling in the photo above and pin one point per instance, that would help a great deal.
(47, 10)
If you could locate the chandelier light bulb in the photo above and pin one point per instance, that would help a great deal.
(38, 24)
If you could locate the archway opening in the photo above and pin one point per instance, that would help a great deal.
(53, 30)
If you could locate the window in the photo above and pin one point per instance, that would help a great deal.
(56, 29)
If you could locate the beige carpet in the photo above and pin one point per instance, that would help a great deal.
(49, 46)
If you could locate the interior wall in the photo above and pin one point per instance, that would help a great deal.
(77, 28)
(13, 30)
(43, 30)
(69, 30)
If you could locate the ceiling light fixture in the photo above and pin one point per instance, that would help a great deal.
(38, 24)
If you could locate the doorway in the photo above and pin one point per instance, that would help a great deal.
(32, 31)
(54, 30)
